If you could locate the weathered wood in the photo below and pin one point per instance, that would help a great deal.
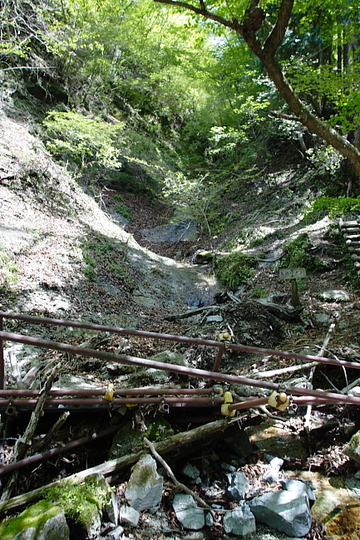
(110, 467)
(24, 442)
(50, 434)
(283, 312)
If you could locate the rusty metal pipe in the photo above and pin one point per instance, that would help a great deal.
(298, 400)
(193, 372)
(181, 339)
(4, 469)
(188, 401)
(110, 329)
(117, 391)
(218, 358)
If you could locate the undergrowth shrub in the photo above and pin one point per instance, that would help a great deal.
(235, 269)
(334, 207)
(297, 255)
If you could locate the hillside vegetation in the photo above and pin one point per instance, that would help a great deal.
(147, 116)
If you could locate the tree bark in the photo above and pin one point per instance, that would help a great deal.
(266, 53)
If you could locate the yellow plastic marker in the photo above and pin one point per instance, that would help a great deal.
(228, 399)
(224, 336)
(279, 400)
(109, 394)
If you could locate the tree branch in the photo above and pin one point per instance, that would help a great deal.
(283, 116)
(277, 34)
(170, 473)
(232, 24)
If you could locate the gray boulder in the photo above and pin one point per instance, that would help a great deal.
(188, 513)
(238, 486)
(128, 515)
(285, 510)
(240, 521)
(41, 521)
(275, 464)
(144, 489)
(192, 472)
(352, 449)
(298, 488)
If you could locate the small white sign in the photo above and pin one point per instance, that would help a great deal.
(292, 273)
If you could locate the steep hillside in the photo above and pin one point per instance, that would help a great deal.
(62, 255)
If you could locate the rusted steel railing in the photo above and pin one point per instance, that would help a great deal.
(183, 397)
(221, 346)
(164, 397)
(181, 370)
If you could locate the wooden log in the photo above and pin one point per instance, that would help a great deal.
(111, 467)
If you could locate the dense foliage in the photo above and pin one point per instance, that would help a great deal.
(163, 99)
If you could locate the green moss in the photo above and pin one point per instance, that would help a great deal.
(36, 516)
(297, 255)
(121, 207)
(258, 292)
(81, 502)
(159, 430)
(235, 269)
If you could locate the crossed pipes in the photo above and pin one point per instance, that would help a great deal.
(176, 397)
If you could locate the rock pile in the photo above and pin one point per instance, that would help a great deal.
(285, 508)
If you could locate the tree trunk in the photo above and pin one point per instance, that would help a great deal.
(252, 21)
(308, 119)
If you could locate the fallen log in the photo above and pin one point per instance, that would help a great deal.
(109, 468)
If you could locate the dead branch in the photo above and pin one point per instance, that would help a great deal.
(282, 312)
(300, 367)
(190, 313)
(50, 434)
(320, 353)
(24, 442)
(109, 468)
(169, 472)
(283, 371)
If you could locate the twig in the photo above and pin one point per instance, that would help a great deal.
(173, 478)
(276, 372)
(50, 434)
